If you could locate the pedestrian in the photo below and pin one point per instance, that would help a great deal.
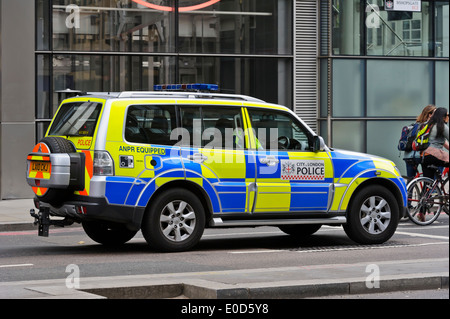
(412, 158)
(437, 153)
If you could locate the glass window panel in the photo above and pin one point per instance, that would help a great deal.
(43, 25)
(150, 124)
(275, 130)
(348, 90)
(222, 128)
(269, 79)
(442, 28)
(343, 140)
(323, 87)
(191, 124)
(43, 110)
(382, 140)
(324, 131)
(442, 83)
(399, 33)
(41, 129)
(111, 25)
(346, 27)
(99, 73)
(398, 88)
(250, 27)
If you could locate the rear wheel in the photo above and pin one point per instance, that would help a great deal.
(424, 205)
(175, 221)
(373, 216)
(106, 233)
(445, 189)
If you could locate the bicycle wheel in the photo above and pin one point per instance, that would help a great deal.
(446, 195)
(424, 204)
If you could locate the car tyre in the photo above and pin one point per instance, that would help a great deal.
(373, 216)
(175, 221)
(106, 233)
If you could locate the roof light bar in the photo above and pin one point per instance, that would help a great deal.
(186, 87)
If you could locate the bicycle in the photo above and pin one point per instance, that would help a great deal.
(427, 198)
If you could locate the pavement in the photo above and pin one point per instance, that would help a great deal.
(265, 283)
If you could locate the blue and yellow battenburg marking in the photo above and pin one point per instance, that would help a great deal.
(240, 181)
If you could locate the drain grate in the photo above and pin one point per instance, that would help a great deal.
(352, 247)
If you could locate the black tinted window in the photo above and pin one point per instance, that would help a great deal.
(150, 124)
(76, 119)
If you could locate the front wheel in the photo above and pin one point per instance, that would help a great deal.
(424, 202)
(373, 216)
(175, 221)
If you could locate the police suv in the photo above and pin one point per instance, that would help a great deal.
(176, 160)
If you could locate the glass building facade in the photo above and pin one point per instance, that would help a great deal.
(379, 69)
(355, 70)
(112, 45)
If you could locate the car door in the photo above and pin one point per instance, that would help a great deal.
(290, 177)
(215, 155)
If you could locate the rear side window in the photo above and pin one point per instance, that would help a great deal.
(76, 119)
(150, 124)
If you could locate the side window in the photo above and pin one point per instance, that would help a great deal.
(212, 127)
(191, 124)
(278, 131)
(223, 128)
(150, 124)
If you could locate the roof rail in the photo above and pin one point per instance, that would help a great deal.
(189, 95)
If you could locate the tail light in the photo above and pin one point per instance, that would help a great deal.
(103, 163)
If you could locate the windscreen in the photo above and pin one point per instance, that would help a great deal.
(76, 119)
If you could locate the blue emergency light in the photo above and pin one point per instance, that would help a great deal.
(186, 87)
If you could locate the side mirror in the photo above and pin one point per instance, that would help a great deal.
(318, 144)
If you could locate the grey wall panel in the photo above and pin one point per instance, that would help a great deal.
(306, 65)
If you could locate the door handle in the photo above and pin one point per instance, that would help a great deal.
(269, 160)
(197, 157)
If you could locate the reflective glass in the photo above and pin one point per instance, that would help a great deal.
(442, 28)
(347, 28)
(398, 88)
(100, 73)
(398, 33)
(382, 140)
(278, 131)
(110, 25)
(343, 139)
(268, 79)
(229, 26)
(43, 83)
(348, 88)
(442, 83)
(43, 25)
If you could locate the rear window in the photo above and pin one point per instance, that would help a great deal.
(76, 119)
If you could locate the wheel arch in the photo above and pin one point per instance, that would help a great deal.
(190, 186)
(386, 183)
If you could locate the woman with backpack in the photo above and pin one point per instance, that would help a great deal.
(412, 158)
(436, 154)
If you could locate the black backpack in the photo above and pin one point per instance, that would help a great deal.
(407, 137)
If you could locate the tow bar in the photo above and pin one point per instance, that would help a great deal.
(42, 219)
